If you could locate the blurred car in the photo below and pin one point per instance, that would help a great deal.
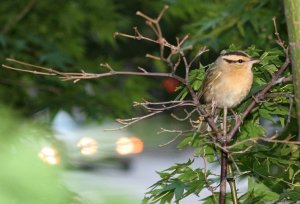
(88, 146)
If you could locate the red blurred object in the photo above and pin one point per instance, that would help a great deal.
(170, 84)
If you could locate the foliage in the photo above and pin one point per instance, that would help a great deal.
(178, 181)
(270, 162)
(215, 23)
(272, 168)
(71, 40)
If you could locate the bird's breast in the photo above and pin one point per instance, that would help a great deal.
(232, 87)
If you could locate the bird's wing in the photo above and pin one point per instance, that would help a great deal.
(212, 74)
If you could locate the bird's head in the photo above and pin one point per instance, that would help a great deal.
(235, 60)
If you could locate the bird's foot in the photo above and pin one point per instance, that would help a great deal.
(237, 117)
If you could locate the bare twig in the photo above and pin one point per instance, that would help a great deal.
(127, 122)
(188, 115)
(208, 186)
(10, 24)
(162, 106)
(279, 41)
(232, 184)
(179, 133)
(242, 151)
(265, 139)
(68, 76)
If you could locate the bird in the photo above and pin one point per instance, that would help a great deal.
(228, 80)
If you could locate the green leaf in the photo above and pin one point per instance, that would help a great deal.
(291, 194)
(261, 190)
(179, 190)
(252, 129)
(187, 141)
(266, 114)
(291, 173)
(206, 151)
(250, 198)
(282, 121)
(178, 182)
(196, 78)
(215, 197)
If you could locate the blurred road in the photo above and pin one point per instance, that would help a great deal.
(112, 185)
(99, 184)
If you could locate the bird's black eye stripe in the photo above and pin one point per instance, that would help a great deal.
(233, 61)
(229, 61)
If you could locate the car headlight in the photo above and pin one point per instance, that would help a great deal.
(49, 155)
(131, 145)
(88, 146)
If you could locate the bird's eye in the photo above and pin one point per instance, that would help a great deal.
(240, 61)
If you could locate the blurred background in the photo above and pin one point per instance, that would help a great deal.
(56, 147)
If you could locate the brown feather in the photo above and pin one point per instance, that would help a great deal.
(228, 81)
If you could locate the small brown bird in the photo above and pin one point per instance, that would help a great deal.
(229, 80)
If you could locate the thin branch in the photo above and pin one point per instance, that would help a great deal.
(232, 184)
(136, 37)
(279, 41)
(284, 80)
(67, 76)
(188, 115)
(162, 106)
(265, 139)
(143, 70)
(153, 57)
(179, 133)
(278, 141)
(242, 151)
(208, 186)
(11, 24)
(28, 71)
(291, 99)
(199, 53)
(162, 13)
(128, 122)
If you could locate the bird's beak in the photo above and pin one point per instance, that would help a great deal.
(254, 61)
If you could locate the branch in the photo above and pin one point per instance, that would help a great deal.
(223, 176)
(179, 133)
(232, 184)
(188, 115)
(265, 139)
(75, 77)
(208, 186)
(162, 106)
(153, 111)
(224, 160)
(127, 122)
(10, 24)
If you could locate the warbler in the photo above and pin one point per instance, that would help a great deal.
(228, 80)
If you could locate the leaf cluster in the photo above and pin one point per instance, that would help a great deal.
(77, 35)
(272, 168)
(215, 23)
(177, 182)
(74, 35)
